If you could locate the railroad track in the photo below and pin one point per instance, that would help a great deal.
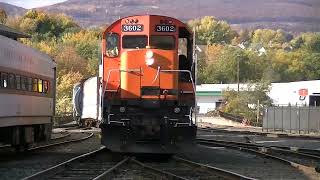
(53, 139)
(283, 154)
(5, 146)
(60, 143)
(61, 137)
(102, 164)
(245, 132)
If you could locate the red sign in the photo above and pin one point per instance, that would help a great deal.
(303, 92)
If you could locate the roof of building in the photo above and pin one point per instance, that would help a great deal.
(12, 33)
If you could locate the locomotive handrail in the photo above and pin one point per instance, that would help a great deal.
(183, 71)
(130, 70)
(194, 90)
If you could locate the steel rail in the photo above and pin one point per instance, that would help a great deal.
(158, 171)
(280, 149)
(60, 167)
(241, 148)
(214, 170)
(60, 143)
(112, 170)
(246, 132)
(5, 146)
(261, 151)
(61, 137)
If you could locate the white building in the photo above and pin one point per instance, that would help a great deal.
(209, 96)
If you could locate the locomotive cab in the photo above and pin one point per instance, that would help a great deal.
(149, 91)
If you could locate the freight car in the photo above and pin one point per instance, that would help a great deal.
(85, 101)
(27, 93)
(148, 90)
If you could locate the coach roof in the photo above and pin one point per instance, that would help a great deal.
(12, 33)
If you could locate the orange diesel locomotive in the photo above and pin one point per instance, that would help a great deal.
(148, 85)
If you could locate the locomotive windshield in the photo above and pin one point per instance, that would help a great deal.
(162, 42)
(134, 42)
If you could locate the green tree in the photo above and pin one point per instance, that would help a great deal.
(245, 103)
(68, 60)
(45, 26)
(65, 85)
(271, 38)
(224, 69)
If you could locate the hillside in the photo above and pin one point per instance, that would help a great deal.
(292, 15)
(12, 10)
(301, 15)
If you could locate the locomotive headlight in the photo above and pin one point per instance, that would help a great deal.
(149, 54)
(122, 109)
(149, 61)
(149, 58)
(176, 110)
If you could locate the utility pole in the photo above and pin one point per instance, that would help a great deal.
(195, 57)
(238, 73)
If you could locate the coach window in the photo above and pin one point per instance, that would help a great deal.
(35, 85)
(112, 49)
(23, 83)
(18, 81)
(40, 88)
(134, 42)
(11, 83)
(45, 86)
(29, 84)
(4, 80)
(162, 42)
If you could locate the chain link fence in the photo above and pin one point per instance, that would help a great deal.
(293, 119)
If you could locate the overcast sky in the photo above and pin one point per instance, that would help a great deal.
(28, 4)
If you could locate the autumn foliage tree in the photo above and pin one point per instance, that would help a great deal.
(3, 16)
(212, 31)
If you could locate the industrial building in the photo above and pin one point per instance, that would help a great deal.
(209, 96)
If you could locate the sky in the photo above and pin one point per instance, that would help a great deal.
(28, 4)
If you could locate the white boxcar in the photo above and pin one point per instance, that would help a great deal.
(86, 102)
(27, 93)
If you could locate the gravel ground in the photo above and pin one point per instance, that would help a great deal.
(17, 166)
(242, 163)
(263, 140)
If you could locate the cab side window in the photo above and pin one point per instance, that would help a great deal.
(112, 43)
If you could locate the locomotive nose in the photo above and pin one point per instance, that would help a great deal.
(141, 73)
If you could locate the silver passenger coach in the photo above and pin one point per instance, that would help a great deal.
(27, 91)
